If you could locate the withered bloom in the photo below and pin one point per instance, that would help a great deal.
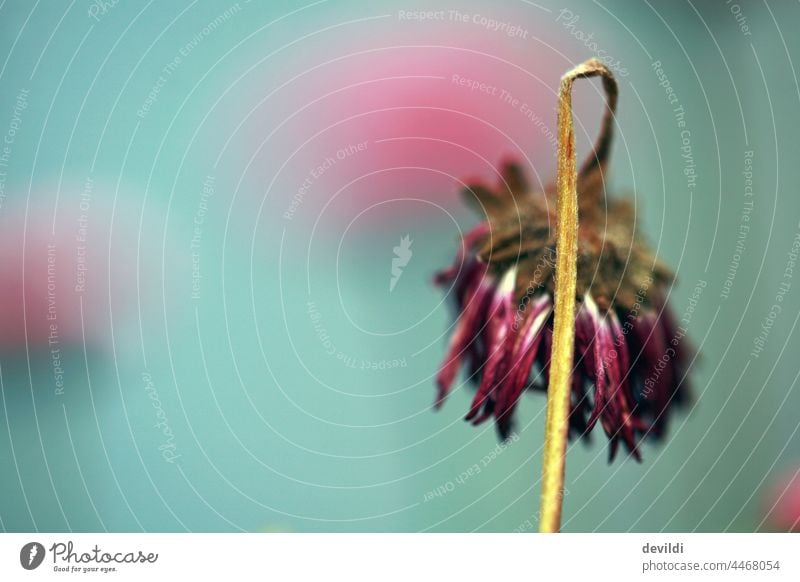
(629, 357)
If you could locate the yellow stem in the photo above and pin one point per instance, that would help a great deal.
(558, 392)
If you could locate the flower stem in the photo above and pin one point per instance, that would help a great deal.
(558, 392)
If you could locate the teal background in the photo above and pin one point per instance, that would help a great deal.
(273, 433)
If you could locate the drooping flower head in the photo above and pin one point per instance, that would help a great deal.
(629, 357)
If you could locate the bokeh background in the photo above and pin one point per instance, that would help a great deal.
(199, 203)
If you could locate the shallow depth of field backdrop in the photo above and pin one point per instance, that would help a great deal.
(199, 203)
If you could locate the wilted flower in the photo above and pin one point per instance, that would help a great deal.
(629, 357)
